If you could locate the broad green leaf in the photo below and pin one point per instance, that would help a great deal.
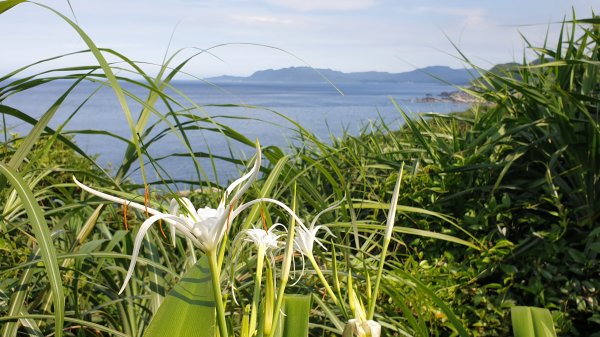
(40, 229)
(297, 315)
(189, 309)
(532, 322)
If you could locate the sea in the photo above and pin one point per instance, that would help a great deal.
(269, 112)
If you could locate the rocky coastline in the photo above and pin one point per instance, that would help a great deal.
(459, 97)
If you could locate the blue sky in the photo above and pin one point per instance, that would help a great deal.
(346, 35)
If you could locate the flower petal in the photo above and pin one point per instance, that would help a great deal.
(332, 207)
(241, 208)
(116, 199)
(250, 177)
(207, 212)
(173, 210)
(210, 231)
(176, 221)
(314, 234)
(374, 328)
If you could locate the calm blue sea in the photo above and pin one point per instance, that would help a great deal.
(318, 107)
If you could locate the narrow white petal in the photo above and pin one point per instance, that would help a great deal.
(273, 201)
(116, 199)
(250, 176)
(140, 237)
(319, 243)
(173, 210)
(188, 208)
(173, 238)
(325, 228)
(173, 207)
(283, 228)
(374, 327)
(301, 271)
(332, 207)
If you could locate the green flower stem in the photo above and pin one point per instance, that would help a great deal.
(216, 282)
(336, 279)
(322, 278)
(268, 326)
(245, 322)
(260, 257)
(285, 268)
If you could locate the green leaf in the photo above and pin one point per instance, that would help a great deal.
(19, 156)
(532, 322)
(40, 229)
(34, 135)
(297, 314)
(189, 309)
(112, 80)
(424, 289)
(7, 110)
(6, 5)
(17, 301)
(273, 178)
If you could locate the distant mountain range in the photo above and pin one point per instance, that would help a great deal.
(306, 75)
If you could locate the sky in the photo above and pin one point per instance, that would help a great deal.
(240, 37)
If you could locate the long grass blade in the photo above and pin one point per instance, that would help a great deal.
(41, 231)
(33, 136)
(112, 79)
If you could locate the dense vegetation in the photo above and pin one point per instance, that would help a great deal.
(499, 206)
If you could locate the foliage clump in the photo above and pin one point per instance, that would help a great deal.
(521, 176)
(511, 189)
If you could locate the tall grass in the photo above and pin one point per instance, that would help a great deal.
(493, 204)
(85, 245)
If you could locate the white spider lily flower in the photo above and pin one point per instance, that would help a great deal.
(304, 243)
(265, 242)
(359, 325)
(307, 236)
(205, 227)
(356, 327)
(263, 239)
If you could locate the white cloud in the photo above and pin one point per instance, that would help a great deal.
(470, 17)
(260, 19)
(324, 5)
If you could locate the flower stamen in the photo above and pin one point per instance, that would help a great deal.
(125, 217)
(229, 213)
(146, 198)
(262, 216)
(162, 230)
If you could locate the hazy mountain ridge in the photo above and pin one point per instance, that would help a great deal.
(431, 74)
